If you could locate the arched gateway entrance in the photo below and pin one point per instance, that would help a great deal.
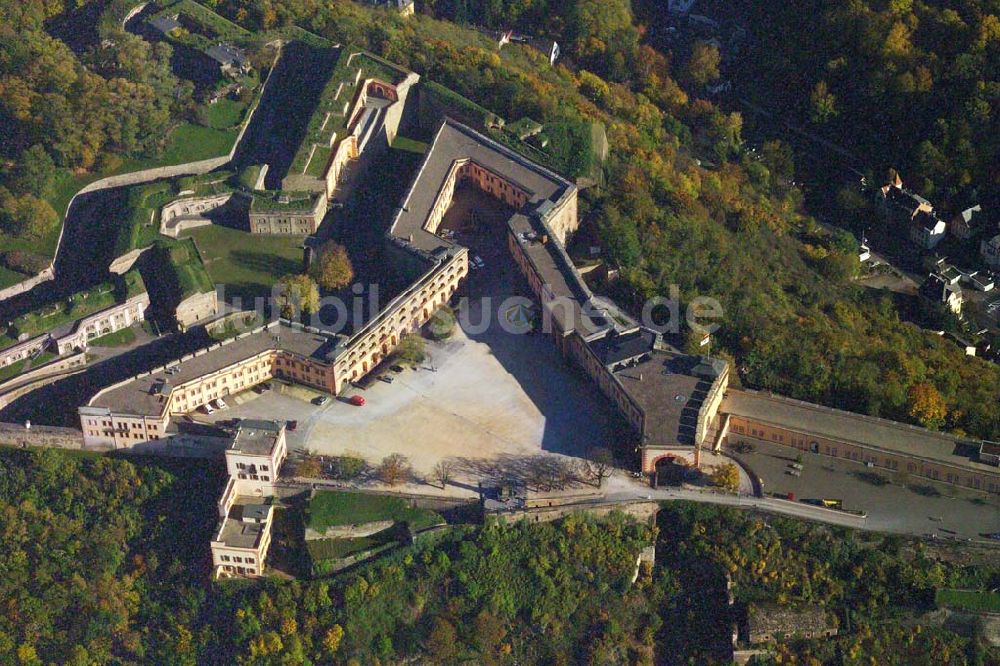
(670, 470)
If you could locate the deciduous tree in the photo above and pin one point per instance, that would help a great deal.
(297, 294)
(394, 469)
(331, 267)
(727, 476)
(927, 406)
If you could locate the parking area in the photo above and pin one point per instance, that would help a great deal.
(904, 503)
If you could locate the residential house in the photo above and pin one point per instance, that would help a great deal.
(256, 454)
(549, 47)
(990, 251)
(938, 290)
(243, 536)
(968, 223)
(924, 228)
(232, 60)
(982, 281)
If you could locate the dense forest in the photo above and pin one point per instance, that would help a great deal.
(106, 561)
(910, 84)
(64, 112)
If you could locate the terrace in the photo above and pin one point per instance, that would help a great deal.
(77, 306)
(283, 201)
(328, 123)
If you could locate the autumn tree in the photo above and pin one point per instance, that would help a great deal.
(926, 405)
(442, 642)
(726, 476)
(411, 350)
(34, 172)
(442, 323)
(703, 66)
(331, 267)
(332, 639)
(823, 103)
(26, 216)
(394, 469)
(489, 634)
(295, 295)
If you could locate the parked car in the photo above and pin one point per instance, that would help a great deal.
(291, 425)
(478, 261)
(208, 408)
(357, 400)
(321, 400)
(221, 404)
(396, 368)
(387, 379)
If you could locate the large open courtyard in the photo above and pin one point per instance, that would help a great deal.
(492, 391)
(466, 402)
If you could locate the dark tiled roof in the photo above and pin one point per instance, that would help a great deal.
(140, 397)
(620, 347)
(669, 394)
(454, 142)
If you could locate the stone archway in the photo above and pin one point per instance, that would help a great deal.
(669, 469)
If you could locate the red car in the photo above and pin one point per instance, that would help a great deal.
(291, 425)
(357, 400)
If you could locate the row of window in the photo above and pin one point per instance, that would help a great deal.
(262, 468)
(237, 559)
(255, 477)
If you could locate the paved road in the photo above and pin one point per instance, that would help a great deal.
(784, 507)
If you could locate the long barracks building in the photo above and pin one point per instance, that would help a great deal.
(624, 359)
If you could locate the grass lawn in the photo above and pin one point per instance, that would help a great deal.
(9, 277)
(973, 600)
(224, 114)
(248, 264)
(11, 370)
(331, 549)
(187, 143)
(17, 368)
(117, 339)
(331, 508)
(411, 145)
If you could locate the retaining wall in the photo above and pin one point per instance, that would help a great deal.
(17, 386)
(12, 434)
(641, 510)
(135, 178)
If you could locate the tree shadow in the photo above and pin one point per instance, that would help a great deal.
(263, 262)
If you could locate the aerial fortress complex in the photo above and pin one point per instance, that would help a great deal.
(674, 404)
